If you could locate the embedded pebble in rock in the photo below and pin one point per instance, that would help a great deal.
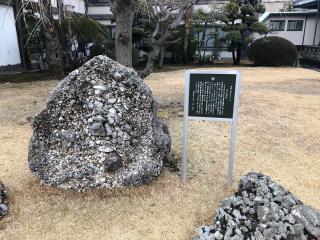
(261, 209)
(99, 129)
(3, 201)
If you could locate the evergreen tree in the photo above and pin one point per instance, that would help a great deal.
(240, 20)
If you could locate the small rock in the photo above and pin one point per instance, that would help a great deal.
(218, 235)
(105, 149)
(3, 210)
(112, 100)
(309, 217)
(112, 112)
(252, 211)
(269, 233)
(97, 129)
(262, 212)
(298, 228)
(258, 235)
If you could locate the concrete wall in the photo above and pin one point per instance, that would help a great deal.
(296, 37)
(9, 47)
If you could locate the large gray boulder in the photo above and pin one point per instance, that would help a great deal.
(99, 129)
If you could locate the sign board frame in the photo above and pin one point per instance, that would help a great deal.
(232, 120)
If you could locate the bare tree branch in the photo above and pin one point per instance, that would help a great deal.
(170, 14)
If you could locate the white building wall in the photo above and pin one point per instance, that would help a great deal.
(293, 36)
(77, 6)
(99, 10)
(9, 47)
(310, 28)
(296, 37)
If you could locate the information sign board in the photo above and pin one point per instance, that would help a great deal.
(211, 95)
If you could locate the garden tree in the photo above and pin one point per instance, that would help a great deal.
(48, 26)
(72, 35)
(273, 51)
(168, 15)
(123, 12)
(178, 48)
(31, 34)
(187, 17)
(77, 33)
(240, 20)
(287, 6)
(200, 22)
(54, 54)
(143, 28)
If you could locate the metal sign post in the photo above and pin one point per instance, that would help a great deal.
(211, 95)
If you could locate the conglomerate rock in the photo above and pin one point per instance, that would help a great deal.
(262, 209)
(3, 201)
(99, 129)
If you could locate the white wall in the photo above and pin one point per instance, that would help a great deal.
(204, 7)
(296, 37)
(78, 6)
(106, 22)
(311, 23)
(9, 47)
(99, 10)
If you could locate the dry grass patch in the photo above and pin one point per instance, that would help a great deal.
(278, 134)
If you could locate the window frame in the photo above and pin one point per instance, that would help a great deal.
(282, 21)
(295, 30)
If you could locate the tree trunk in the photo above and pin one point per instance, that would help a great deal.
(200, 57)
(233, 55)
(202, 44)
(123, 37)
(161, 55)
(54, 55)
(53, 52)
(187, 17)
(152, 58)
(238, 55)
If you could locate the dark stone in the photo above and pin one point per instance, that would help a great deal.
(114, 162)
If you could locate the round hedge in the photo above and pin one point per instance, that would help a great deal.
(273, 51)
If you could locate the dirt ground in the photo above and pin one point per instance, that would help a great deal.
(278, 134)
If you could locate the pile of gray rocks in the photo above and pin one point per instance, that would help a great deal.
(99, 129)
(262, 209)
(3, 201)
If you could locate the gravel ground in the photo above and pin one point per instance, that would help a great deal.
(278, 134)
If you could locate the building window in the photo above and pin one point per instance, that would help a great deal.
(98, 2)
(276, 25)
(295, 25)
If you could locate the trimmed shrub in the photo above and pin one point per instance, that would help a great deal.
(273, 51)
